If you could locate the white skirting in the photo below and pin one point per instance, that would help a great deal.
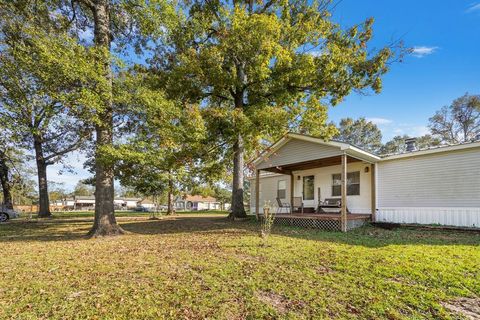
(460, 217)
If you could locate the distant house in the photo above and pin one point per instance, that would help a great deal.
(145, 204)
(88, 203)
(128, 203)
(197, 203)
(83, 202)
(68, 203)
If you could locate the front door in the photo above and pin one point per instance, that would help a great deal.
(309, 191)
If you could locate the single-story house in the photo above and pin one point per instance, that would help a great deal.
(145, 204)
(84, 202)
(197, 203)
(88, 203)
(127, 203)
(339, 186)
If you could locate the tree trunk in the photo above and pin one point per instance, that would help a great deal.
(171, 198)
(43, 200)
(238, 209)
(105, 223)
(5, 181)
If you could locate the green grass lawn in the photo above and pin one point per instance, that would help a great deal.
(80, 214)
(195, 266)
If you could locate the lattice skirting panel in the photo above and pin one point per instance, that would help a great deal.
(328, 225)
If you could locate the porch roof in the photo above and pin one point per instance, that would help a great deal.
(300, 152)
(305, 165)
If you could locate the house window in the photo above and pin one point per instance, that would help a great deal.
(353, 184)
(282, 189)
(308, 187)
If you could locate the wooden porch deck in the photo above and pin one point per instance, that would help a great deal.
(329, 222)
(323, 216)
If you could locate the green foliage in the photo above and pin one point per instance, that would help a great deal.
(82, 189)
(459, 122)
(282, 76)
(397, 144)
(56, 191)
(165, 138)
(362, 133)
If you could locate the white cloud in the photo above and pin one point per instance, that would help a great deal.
(379, 121)
(422, 51)
(392, 129)
(473, 7)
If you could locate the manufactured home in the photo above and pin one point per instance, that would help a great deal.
(197, 203)
(335, 185)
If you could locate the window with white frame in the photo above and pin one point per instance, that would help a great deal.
(353, 184)
(282, 189)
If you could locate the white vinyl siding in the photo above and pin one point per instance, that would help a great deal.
(295, 151)
(268, 191)
(322, 188)
(441, 188)
(437, 180)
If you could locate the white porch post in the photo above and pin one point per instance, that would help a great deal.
(344, 194)
(292, 188)
(373, 187)
(257, 194)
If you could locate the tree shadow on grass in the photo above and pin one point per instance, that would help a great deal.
(77, 228)
(71, 229)
(187, 224)
(44, 230)
(373, 237)
(367, 236)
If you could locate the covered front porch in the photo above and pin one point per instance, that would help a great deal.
(334, 183)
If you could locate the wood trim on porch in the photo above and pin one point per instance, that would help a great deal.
(257, 193)
(344, 193)
(343, 217)
(323, 216)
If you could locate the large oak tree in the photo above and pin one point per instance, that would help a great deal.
(40, 64)
(263, 67)
(132, 24)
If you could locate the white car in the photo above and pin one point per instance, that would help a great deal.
(6, 214)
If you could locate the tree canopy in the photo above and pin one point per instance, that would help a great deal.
(362, 133)
(459, 122)
(216, 80)
(258, 85)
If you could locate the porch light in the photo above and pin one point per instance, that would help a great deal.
(367, 169)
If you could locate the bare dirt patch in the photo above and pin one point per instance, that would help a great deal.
(324, 269)
(468, 307)
(279, 302)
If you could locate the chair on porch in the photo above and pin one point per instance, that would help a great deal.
(297, 204)
(330, 203)
(282, 206)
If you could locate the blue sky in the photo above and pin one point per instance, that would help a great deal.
(445, 65)
(446, 35)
